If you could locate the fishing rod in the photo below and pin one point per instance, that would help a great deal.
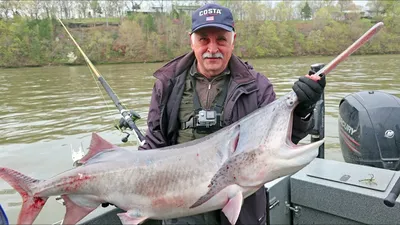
(128, 116)
(352, 48)
(318, 132)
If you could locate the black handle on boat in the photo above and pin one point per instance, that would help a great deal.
(390, 200)
(3, 217)
(318, 132)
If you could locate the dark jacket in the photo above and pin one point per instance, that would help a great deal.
(248, 91)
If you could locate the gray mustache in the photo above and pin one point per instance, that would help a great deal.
(216, 55)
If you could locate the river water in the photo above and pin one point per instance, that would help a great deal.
(47, 111)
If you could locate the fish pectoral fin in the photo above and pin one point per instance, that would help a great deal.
(222, 179)
(126, 218)
(218, 183)
(97, 145)
(74, 212)
(233, 207)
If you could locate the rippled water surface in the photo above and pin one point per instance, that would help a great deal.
(45, 111)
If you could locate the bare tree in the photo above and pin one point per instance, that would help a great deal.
(133, 5)
(111, 8)
(11, 8)
(96, 8)
(66, 8)
(318, 4)
(237, 8)
(82, 7)
(345, 5)
(269, 12)
(378, 7)
(32, 7)
(284, 11)
(50, 8)
(5, 9)
(254, 11)
(298, 8)
(158, 5)
(119, 7)
(108, 8)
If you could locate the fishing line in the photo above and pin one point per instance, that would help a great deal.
(102, 95)
(93, 70)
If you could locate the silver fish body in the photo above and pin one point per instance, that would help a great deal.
(214, 172)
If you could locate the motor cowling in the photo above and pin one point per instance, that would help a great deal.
(369, 129)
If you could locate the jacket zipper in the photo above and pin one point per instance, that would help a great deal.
(208, 95)
(208, 104)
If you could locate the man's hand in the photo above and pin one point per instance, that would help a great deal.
(308, 90)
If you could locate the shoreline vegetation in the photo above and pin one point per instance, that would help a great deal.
(29, 41)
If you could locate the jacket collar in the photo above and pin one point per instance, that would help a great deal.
(240, 70)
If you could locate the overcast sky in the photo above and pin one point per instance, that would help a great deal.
(167, 3)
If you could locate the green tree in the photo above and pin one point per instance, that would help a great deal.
(131, 41)
(322, 18)
(314, 43)
(284, 11)
(392, 19)
(306, 12)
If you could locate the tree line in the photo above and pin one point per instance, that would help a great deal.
(31, 36)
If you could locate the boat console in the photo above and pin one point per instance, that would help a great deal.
(333, 192)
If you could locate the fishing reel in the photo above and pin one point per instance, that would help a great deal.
(123, 125)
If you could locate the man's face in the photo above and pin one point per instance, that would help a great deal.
(213, 48)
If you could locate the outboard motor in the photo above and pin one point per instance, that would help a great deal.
(369, 129)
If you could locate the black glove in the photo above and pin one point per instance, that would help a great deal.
(308, 93)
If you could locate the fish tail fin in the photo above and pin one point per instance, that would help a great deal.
(31, 205)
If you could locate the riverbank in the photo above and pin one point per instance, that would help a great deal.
(149, 38)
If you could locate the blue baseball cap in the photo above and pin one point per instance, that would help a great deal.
(212, 15)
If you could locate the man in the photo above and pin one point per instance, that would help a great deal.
(211, 78)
